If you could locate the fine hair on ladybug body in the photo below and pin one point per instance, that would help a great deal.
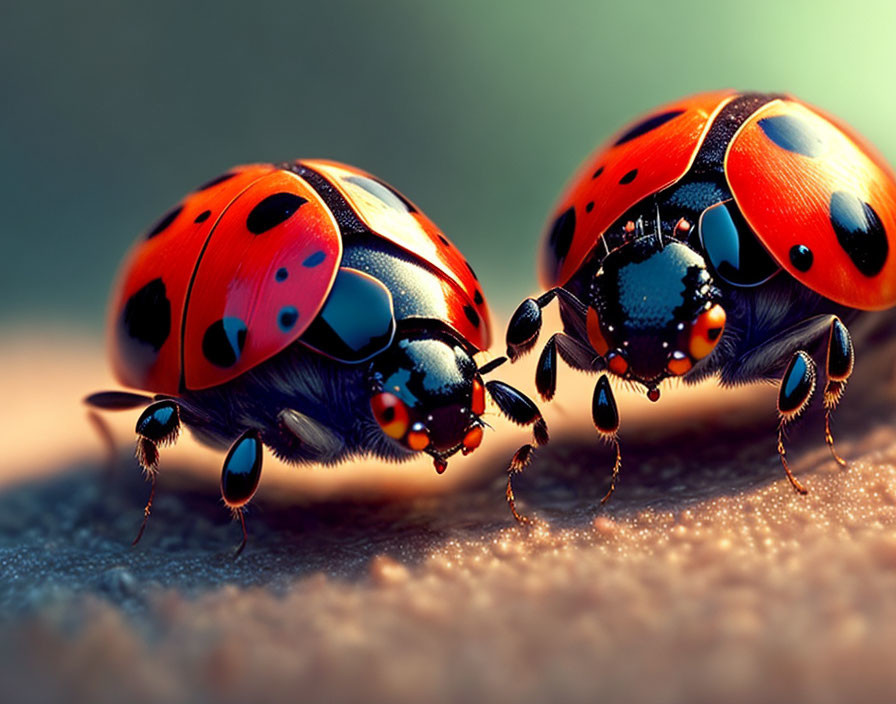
(310, 308)
(690, 246)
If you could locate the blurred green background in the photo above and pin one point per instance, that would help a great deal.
(478, 111)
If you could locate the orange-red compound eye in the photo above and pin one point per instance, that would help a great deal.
(706, 331)
(477, 405)
(418, 438)
(473, 438)
(391, 413)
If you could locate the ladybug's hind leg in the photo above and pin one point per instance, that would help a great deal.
(838, 368)
(239, 477)
(576, 354)
(157, 426)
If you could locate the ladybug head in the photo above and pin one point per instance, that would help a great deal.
(427, 395)
(654, 311)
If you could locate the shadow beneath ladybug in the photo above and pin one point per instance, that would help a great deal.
(71, 534)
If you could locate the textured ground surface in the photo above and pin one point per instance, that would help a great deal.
(706, 578)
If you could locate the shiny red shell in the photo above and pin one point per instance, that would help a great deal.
(799, 176)
(242, 266)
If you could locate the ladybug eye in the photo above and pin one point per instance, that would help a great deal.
(477, 405)
(706, 331)
(391, 413)
(732, 249)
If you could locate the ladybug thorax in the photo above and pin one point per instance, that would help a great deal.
(650, 304)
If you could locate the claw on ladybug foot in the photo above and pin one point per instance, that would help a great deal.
(238, 513)
(797, 485)
(616, 468)
(147, 510)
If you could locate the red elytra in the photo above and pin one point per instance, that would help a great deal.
(204, 266)
(660, 160)
(782, 193)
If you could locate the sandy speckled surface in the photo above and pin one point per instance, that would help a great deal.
(706, 579)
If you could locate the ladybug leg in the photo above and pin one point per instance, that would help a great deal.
(239, 477)
(606, 420)
(521, 410)
(574, 353)
(797, 387)
(157, 426)
(111, 401)
(525, 324)
(838, 368)
(316, 438)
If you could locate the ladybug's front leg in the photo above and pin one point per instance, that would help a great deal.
(525, 324)
(606, 419)
(157, 426)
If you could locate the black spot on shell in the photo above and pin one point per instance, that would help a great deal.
(801, 257)
(215, 181)
(146, 317)
(794, 134)
(444, 240)
(560, 238)
(471, 271)
(651, 123)
(472, 315)
(203, 216)
(223, 342)
(314, 259)
(597, 173)
(272, 211)
(165, 222)
(629, 177)
(589, 206)
(287, 318)
(282, 274)
(477, 298)
(860, 232)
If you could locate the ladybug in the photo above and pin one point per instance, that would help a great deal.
(728, 233)
(308, 307)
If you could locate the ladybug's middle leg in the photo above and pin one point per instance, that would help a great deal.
(576, 354)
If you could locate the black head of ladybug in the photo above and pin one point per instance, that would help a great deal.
(654, 311)
(428, 395)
